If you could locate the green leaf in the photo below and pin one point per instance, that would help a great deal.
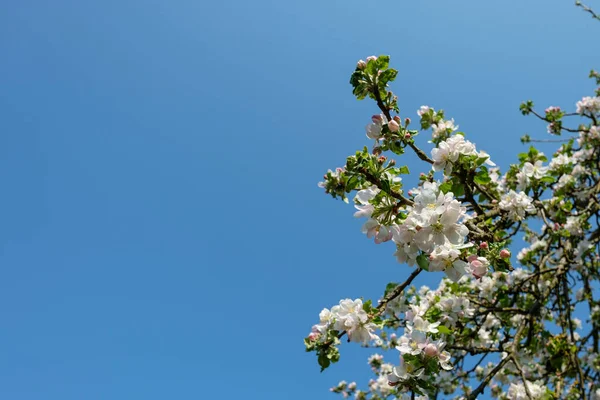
(482, 179)
(403, 170)
(324, 362)
(387, 76)
(444, 330)
(423, 261)
(383, 62)
(446, 187)
(458, 189)
(389, 287)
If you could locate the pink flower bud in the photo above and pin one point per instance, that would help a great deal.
(407, 121)
(478, 268)
(407, 135)
(472, 258)
(376, 119)
(361, 64)
(504, 253)
(483, 245)
(371, 58)
(394, 126)
(431, 350)
(397, 119)
(313, 336)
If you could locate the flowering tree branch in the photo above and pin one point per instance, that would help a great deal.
(460, 219)
(587, 9)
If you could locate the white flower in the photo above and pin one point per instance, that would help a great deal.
(517, 391)
(407, 253)
(374, 128)
(445, 361)
(448, 151)
(443, 158)
(364, 211)
(421, 324)
(443, 127)
(350, 316)
(413, 344)
(366, 195)
(325, 315)
(403, 372)
(534, 170)
(588, 104)
(559, 160)
(381, 233)
(423, 110)
(517, 205)
(522, 181)
(573, 225)
(445, 258)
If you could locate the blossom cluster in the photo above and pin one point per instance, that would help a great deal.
(537, 324)
(348, 316)
(448, 153)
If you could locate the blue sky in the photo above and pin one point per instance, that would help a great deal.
(161, 232)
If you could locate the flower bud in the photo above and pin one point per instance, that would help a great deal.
(394, 126)
(361, 64)
(431, 350)
(407, 135)
(376, 119)
(483, 245)
(397, 119)
(407, 121)
(504, 253)
(371, 58)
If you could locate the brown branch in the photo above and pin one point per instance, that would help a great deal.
(492, 373)
(397, 291)
(527, 391)
(420, 153)
(391, 296)
(587, 9)
(473, 395)
(377, 182)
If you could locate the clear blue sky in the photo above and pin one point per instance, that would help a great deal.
(162, 235)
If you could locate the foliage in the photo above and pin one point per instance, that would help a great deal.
(498, 323)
